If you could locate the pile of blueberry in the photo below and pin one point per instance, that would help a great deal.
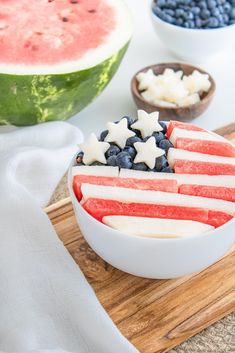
(196, 13)
(124, 158)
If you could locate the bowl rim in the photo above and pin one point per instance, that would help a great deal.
(134, 237)
(135, 91)
(180, 28)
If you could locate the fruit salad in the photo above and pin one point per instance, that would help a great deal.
(144, 177)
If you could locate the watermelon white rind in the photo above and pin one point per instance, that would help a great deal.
(39, 93)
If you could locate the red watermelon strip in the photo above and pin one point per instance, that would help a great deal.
(213, 192)
(196, 167)
(180, 125)
(140, 184)
(98, 208)
(218, 148)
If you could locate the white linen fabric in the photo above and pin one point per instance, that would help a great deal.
(46, 304)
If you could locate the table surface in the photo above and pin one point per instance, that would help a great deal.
(146, 49)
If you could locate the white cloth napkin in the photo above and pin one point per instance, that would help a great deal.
(46, 304)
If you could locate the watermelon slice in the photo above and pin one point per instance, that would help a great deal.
(140, 184)
(154, 197)
(192, 135)
(218, 148)
(57, 56)
(194, 167)
(178, 124)
(176, 154)
(155, 227)
(213, 192)
(99, 208)
(189, 179)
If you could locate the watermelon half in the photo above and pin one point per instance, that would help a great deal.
(56, 56)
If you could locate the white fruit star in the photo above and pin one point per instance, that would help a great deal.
(119, 133)
(145, 79)
(147, 123)
(147, 152)
(94, 150)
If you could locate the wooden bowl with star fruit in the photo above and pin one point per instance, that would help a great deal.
(184, 113)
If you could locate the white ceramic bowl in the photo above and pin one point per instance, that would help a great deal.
(152, 258)
(194, 45)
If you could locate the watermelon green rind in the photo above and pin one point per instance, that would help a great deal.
(41, 98)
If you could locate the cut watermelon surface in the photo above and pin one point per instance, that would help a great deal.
(218, 148)
(195, 167)
(192, 135)
(57, 56)
(99, 208)
(178, 124)
(154, 197)
(155, 227)
(177, 154)
(214, 192)
(189, 179)
(140, 184)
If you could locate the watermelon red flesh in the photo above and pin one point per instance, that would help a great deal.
(214, 192)
(180, 125)
(140, 184)
(99, 208)
(195, 167)
(218, 148)
(50, 32)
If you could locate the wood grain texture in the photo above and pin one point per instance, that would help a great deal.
(155, 315)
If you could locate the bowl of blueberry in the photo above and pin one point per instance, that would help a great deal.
(195, 30)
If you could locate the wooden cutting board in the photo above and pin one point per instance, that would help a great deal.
(155, 315)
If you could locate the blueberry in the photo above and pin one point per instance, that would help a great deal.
(139, 166)
(161, 3)
(165, 145)
(112, 151)
(96, 163)
(232, 14)
(131, 151)
(179, 22)
(225, 18)
(161, 162)
(167, 170)
(198, 22)
(195, 10)
(79, 158)
(211, 4)
(227, 8)
(158, 136)
(179, 12)
(171, 4)
(213, 22)
(123, 160)
(132, 140)
(163, 125)
(215, 12)
(191, 24)
(202, 5)
(103, 135)
(129, 119)
(205, 14)
(112, 161)
(169, 12)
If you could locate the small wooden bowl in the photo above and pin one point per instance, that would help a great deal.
(180, 113)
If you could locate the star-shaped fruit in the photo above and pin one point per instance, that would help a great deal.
(119, 133)
(147, 123)
(145, 79)
(147, 152)
(94, 150)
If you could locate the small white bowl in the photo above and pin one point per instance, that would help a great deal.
(194, 45)
(152, 257)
